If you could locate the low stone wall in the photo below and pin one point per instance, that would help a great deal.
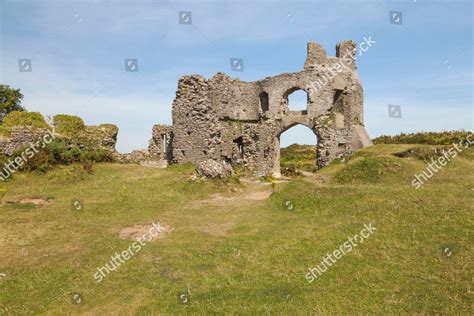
(135, 157)
(141, 157)
(102, 136)
(20, 137)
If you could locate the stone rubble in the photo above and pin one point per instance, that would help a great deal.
(214, 169)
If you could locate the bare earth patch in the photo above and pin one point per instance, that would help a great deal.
(30, 200)
(258, 196)
(140, 231)
(322, 179)
(219, 199)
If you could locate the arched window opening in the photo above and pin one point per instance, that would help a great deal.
(164, 140)
(298, 100)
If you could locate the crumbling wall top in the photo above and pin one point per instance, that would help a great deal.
(316, 54)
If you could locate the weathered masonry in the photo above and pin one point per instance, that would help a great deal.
(241, 122)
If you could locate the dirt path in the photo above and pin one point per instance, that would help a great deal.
(312, 177)
(252, 192)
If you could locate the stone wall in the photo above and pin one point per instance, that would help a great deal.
(160, 144)
(102, 136)
(20, 136)
(223, 118)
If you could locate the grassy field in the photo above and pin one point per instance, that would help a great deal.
(233, 251)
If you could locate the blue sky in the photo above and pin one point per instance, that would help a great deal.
(77, 49)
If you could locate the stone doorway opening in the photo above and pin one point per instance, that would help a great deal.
(296, 148)
(239, 143)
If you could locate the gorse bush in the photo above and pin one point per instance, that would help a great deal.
(301, 157)
(63, 152)
(75, 143)
(426, 138)
(20, 118)
(68, 125)
(5, 131)
(17, 118)
(423, 153)
(290, 170)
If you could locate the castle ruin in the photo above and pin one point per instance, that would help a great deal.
(239, 122)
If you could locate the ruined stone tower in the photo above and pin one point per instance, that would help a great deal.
(223, 118)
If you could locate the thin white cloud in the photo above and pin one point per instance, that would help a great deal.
(58, 35)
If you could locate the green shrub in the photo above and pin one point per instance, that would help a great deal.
(5, 131)
(68, 125)
(17, 118)
(422, 153)
(427, 138)
(295, 156)
(41, 161)
(290, 170)
(63, 152)
(96, 155)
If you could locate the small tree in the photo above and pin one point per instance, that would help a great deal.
(10, 100)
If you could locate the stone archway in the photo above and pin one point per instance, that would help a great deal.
(276, 171)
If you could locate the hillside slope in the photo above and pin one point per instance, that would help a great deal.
(233, 250)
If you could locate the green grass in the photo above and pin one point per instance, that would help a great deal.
(297, 157)
(243, 257)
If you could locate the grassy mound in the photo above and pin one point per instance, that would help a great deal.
(385, 163)
(372, 170)
(68, 125)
